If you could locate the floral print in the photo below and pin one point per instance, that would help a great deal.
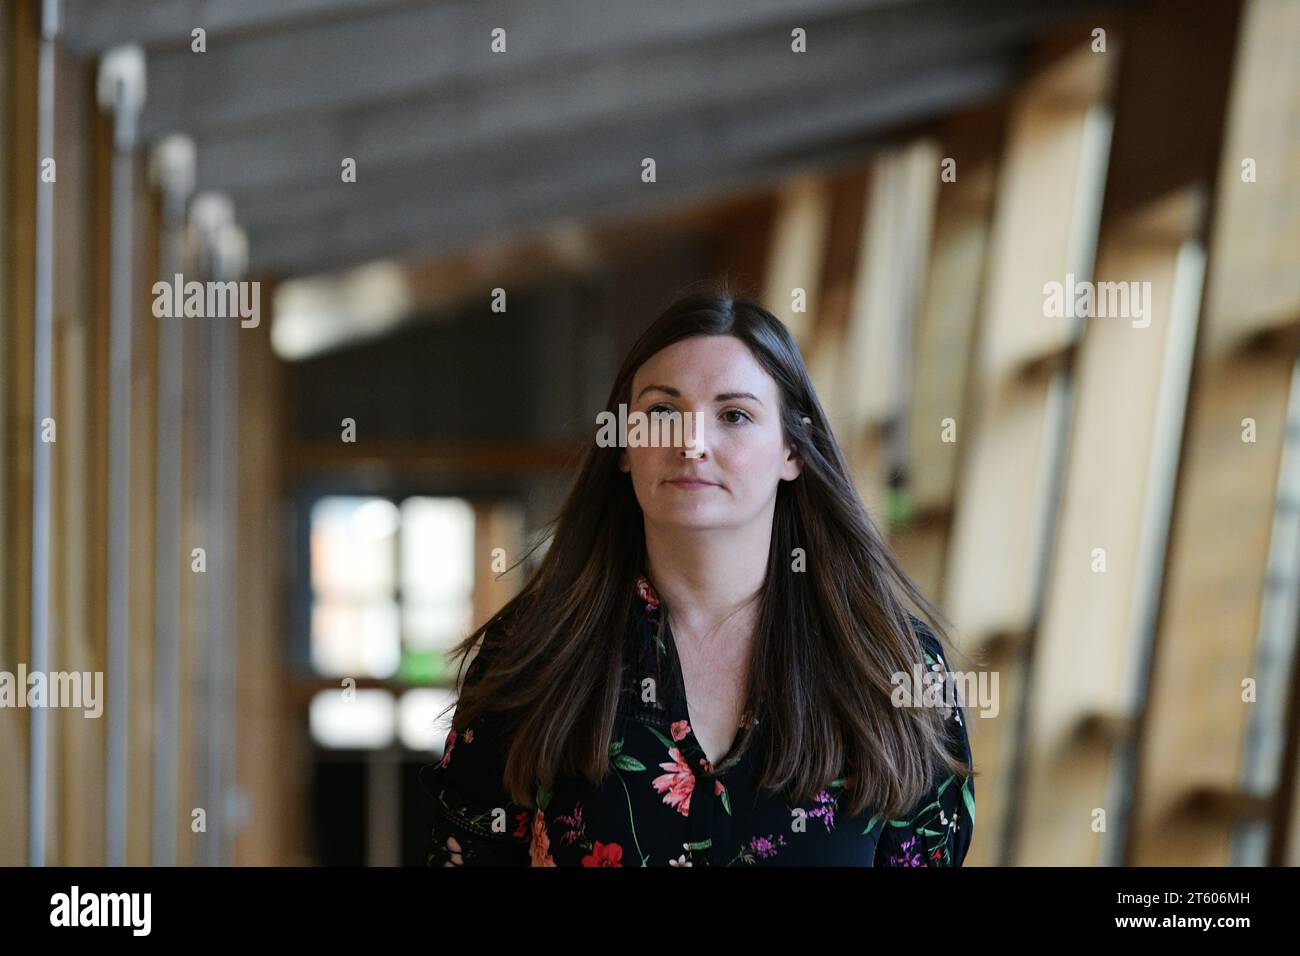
(664, 803)
(939, 832)
(678, 784)
(539, 849)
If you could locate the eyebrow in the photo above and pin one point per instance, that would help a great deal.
(720, 397)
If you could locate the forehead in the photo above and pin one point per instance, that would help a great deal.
(705, 362)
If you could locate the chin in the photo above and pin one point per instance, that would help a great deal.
(697, 519)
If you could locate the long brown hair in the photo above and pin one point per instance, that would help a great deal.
(829, 636)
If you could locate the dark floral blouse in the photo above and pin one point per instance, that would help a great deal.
(664, 803)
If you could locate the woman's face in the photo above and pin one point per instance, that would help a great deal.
(739, 446)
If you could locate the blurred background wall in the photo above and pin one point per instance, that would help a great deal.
(265, 529)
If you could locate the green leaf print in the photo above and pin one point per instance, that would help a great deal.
(667, 741)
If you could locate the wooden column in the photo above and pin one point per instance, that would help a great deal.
(1047, 205)
(946, 332)
(18, 195)
(1200, 772)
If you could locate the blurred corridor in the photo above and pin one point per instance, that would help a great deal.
(307, 309)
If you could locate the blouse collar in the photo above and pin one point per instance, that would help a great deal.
(650, 603)
(645, 592)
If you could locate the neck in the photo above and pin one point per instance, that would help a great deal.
(706, 577)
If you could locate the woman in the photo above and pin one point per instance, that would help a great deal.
(704, 669)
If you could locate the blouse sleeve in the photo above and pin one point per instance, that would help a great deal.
(937, 832)
(470, 803)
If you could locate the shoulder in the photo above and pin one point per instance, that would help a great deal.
(937, 831)
(934, 657)
(931, 646)
(935, 660)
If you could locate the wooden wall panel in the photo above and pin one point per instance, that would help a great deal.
(143, 533)
(18, 293)
(1189, 793)
(263, 711)
(1254, 280)
(872, 386)
(798, 252)
(822, 354)
(1048, 195)
(1131, 387)
(77, 741)
(947, 325)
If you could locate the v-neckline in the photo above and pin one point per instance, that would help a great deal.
(691, 742)
(678, 704)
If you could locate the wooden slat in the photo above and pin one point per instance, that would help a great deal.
(142, 601)
(994, 561)
(78, 765)
(17, 333)
(1130, 379)
(822, 355)
(945, 337)
(1254, 282)
(1208, 638)
(192, 628)
(798, 249)
(891, 266)
(95, 489)
(1131, 385)
(1045, 207)
(1217, 560)
(947, 327)
(263, 717)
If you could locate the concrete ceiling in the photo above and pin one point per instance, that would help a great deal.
(454, 143)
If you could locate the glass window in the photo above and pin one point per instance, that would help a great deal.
(392, 590)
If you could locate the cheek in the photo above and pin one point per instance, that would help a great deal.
(752, 464)
(647, 464)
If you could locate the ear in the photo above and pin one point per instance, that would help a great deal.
(792, 467)
(623, 463)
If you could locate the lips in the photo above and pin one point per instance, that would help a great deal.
(692, 483)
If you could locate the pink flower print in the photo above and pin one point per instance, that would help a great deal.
(909, 855)
(574, 823)
(646, 593)
(676, 785)
(539, 849)
(765, 846)
(825, 809)
(680, 729)
(447, 748)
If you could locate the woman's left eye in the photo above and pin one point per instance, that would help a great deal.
(737, 411)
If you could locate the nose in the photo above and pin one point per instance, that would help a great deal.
(693, 435)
